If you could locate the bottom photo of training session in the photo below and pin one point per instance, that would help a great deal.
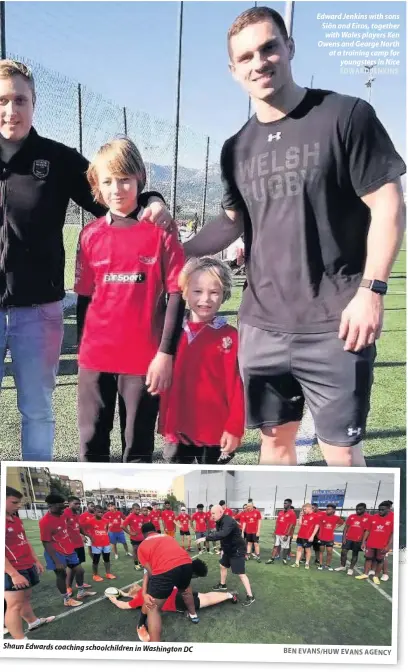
(181, 554)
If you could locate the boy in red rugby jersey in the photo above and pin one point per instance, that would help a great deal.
(155, 516)
(127, 266)
(252, 528)
(22, 569)
(328, 523)
(377, 541)
(59, 552)
(199, 522)
(84, 520)
(353, 533)
(72, 517)
(100, 544)
(132, 525)
(183, 521)
(285, 526)
(309, 525)
(206, 378)
(115, 519)
(168, 517)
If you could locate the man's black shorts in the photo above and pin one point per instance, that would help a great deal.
(316, 544)
(80, 553)
(135, 543)
(236, 562)
(252, 538)
(180, 606)
(328, 544)
(283, 371)
(354, 546)
(161, 585)
(31, 574)
(184, 534)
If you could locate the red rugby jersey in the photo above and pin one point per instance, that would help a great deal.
(309, 522)
(206, 379)
(381, 528)
(99, 533)
(155, 518)
(115, 520)
(85, 519)
(284, 522)
(73, 527)
(162, 553)
(184, 520)
(327, 526)
(199, 518)
(168, 517)
(127, 271)
(135, 521)
(251, 520)
(54, 530)
(356, 526)
(18, 550)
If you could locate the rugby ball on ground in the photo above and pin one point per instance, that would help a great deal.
(112, 592)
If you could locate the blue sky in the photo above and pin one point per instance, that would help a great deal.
(126, 51)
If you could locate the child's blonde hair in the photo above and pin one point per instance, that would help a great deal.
(121, 157)
(307, 506)
(211, 265)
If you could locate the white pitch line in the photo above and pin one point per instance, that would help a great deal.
(370, 583)
(76, 610)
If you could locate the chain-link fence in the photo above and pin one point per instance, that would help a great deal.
(75, 115)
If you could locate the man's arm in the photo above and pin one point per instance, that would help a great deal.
(226, 529)
(216, 235)
(314, 533)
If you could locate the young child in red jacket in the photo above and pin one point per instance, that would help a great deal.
(203, 411)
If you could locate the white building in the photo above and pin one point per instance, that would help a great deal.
(269, 488)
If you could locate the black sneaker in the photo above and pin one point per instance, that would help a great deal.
(248, 601)
(220, 586)
(270, 561)
(258, 559)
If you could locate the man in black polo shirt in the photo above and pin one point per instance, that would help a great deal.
(38, 177)
(233, 549)
(313, 180)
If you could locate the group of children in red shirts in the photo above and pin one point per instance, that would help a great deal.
(135, 280)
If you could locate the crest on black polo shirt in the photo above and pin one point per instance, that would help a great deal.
(41, 168)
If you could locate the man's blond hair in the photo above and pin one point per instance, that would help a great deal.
(211, 265)
(122, 158)
(10, 68)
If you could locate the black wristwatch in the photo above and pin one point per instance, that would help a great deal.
(377, 286)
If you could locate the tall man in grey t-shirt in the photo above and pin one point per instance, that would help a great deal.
(313, 180)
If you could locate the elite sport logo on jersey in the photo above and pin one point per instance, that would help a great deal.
(125, 278)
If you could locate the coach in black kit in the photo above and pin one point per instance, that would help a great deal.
(313, 180)
(233, 550)
(38, 177)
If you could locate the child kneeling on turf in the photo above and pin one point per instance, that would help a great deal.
(127, 267)
(204, 408)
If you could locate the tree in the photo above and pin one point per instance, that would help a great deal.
(88, 493)
(58, 488)
(174, 502)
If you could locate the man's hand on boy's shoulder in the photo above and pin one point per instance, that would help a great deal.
(157, 212)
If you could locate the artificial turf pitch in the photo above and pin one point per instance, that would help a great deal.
(292, 606)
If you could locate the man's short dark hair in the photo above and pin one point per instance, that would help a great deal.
(386, 503)
(362, 504)
(331, 506)
(54, 498)
(199, 568)
(389, 502)
(200, 506)
(73, 499)
(256, 15)
(149, 508)
(221, 502)
(288, 500)
(98, 506)
(12, 492)
(167, 501)
(148, 527)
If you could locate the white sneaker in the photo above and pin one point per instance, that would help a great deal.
(385, 577)
(350, 572)
(130, 555)
(371, 572)
(340, 569)
(116, 557)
